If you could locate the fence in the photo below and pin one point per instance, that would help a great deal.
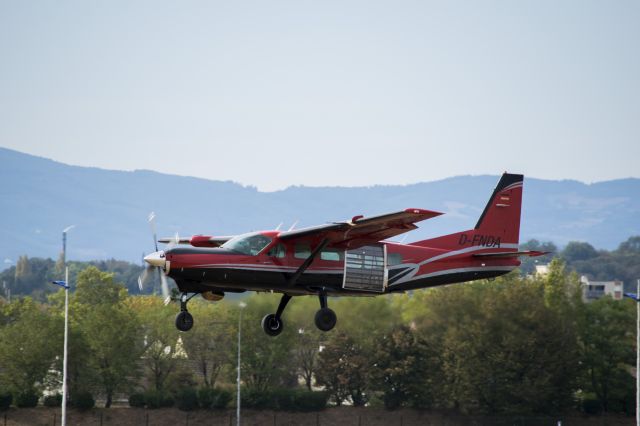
(349, 416)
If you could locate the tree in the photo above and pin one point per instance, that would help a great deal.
(343, 369)
(607, 351)
(208, 343)
(404, 369)
(161, 341)
(495, 341)
(306, 351)
(110, 330)
(577, 250)
(631, 246)
(264, 358)
(30, 341)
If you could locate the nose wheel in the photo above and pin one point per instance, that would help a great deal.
(272, 323)
(184, 320)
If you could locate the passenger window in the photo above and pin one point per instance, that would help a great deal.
(302, 251)
(394, 259)
(278, 251)
(331, 254)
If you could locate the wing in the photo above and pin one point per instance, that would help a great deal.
(361, 231)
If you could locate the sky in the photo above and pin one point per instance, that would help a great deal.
(348, 93)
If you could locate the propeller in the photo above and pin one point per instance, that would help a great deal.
(154, 261)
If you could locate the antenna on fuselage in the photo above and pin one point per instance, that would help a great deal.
(293, 226)
(279, 226)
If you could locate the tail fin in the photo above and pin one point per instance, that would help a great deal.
(501, 215)
(499, 224)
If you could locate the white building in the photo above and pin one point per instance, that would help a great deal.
(592, 290)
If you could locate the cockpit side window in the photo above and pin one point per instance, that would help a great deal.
(278, 251)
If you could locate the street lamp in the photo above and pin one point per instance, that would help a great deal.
(636, 297)
(242, 305)
(64, 284)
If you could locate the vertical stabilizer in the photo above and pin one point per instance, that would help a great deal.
(498, 225)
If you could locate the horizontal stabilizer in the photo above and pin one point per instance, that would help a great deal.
(530, 253)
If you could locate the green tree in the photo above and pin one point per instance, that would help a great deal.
(404, 369)
(110, 329)
(607, 351)
(577, 250)
(208, 343)
(264, 358)
(162, 348)
(343, 369)
(631, 246)
(30, 341)
(503, 349)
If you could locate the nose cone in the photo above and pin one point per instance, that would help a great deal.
(156, 259)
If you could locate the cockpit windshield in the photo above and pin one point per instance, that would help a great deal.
(249, 244)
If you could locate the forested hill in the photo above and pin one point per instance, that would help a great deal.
(40, 197)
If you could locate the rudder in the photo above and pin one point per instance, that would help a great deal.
(498, 225)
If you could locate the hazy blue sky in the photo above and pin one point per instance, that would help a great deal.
(275, 93)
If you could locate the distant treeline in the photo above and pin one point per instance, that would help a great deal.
(514, 345)
(32, 276)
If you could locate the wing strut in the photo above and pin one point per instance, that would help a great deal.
(292, 281)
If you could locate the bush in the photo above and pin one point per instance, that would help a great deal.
(5, 400)
(157, 399)
(222, 399)
(260, 400)
(206, 397)
(136, 400)
(285, 400)
(187, 399)
(392, 400)
(27, 399)
(54, 400)
(83, 401)
(591, 406)
(310, 401)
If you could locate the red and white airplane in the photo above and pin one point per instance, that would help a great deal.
(349, 258)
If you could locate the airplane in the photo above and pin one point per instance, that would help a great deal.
(350, 258)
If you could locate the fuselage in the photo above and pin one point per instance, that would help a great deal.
(269, 264)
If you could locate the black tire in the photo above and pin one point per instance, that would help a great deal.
(184, 321)
(325, 319)
(272, 325)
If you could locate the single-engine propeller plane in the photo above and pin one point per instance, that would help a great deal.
(351, 258)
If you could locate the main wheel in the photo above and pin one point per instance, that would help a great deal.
(325, 319)
(184, 321)
(272, 325)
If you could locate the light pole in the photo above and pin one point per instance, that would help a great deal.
(636, 297)
(242, 305)
(65, 285)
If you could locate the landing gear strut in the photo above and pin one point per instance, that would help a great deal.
(325, 318)
(272, 323)
(184, 320)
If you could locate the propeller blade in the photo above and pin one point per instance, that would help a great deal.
(144, 277)
(167, 300)
(172, 242)
(165, 286)
(152, 222)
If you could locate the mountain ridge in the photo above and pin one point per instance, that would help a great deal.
(110, 207)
